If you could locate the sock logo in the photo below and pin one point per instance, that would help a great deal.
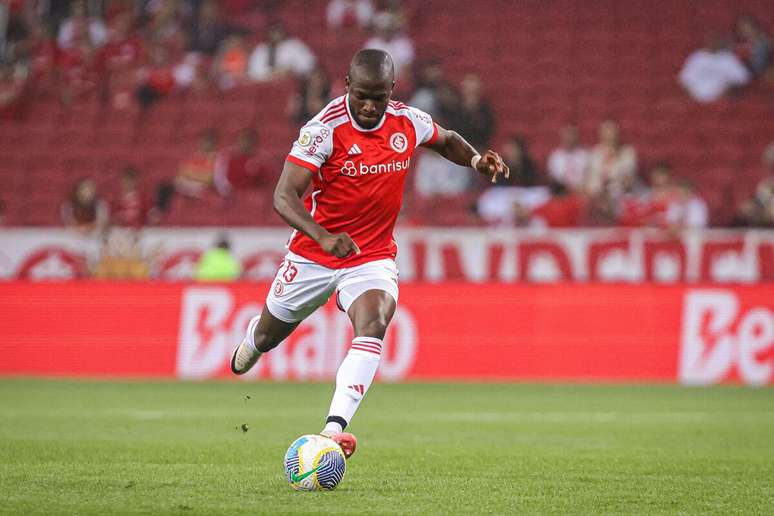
(359, 388)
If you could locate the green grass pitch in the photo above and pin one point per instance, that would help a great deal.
(91, 447)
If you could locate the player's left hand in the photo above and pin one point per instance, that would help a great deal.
(491, 164)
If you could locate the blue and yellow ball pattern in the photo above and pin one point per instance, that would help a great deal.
(314, 463)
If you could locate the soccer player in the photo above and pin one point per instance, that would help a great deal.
(356, 154)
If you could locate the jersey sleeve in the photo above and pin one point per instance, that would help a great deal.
(425, 128)
(313, 146)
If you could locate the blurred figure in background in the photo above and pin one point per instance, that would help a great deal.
(3, 214)
(347, 14)
(568, 163)
(612, 164)
(242, 166)
(686, 209)
(474, 120)
(85, 210)
(209, 29)
(75, 64)
(758, 211)
(119, 59)
(524, 171)
(195, 175)
(280, 56)
(164, 25)
(122, 258)
(218, 263)
(229, 67)
(752, 44)
(130, 206)
(563, 210)
(157, 78)
(314, 93)
(434, 176)
(711, 72)
(388, 35)
(512, 200)
(427, 82)
(81, 24)
(12, 85)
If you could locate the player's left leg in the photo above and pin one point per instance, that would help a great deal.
(370, 314)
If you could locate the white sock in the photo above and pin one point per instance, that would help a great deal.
(353, 379)
(250, 337)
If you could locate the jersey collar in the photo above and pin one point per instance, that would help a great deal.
(354, 122)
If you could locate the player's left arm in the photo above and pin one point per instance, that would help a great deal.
(453, 147)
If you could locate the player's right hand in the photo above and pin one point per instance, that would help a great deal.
(339, 245)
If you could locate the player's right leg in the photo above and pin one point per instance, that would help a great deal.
(299, 288)
(264, 333)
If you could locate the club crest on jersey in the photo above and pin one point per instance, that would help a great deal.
(305, 139)
(362, 169)
(399, 142)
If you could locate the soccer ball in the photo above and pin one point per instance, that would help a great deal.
(314, 463)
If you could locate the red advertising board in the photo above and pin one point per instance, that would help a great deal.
(569, 332)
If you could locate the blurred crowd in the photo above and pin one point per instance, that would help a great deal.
(136, 52)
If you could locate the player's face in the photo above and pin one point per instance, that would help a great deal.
(368, 100)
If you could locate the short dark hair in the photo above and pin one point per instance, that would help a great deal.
(373, 64)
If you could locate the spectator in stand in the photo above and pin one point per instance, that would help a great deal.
(449, 105)
(164, 25)
(121, 258)
(243, 166)
(663, 193)
(687, 210)
(347, 14)
(230, 65)
(758, 211)
(80, 23)
(119, 60)
(568, 163)
(612, 165)
(280, 56)
(523, 171)
(563, 210)
(209, 29)
(428, 81)
(671, 203)
(388, 35)
(218, 263)
(191, 73)
(12, 86)
(37, 51)
(3, 213)
(130, 206)
(474, 119)
(195, 175)
(85, 210)
(711, 72)
(511, 200)
(314, 93)
(76, 65)
(752, 45)
(435, 177)
(157, 79)
(633, 206)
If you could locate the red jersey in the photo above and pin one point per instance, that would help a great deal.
(358, 177)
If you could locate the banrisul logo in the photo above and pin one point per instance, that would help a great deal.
(361, 169)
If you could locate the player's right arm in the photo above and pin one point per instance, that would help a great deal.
(290, 189)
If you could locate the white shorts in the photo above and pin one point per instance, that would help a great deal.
(302, 286)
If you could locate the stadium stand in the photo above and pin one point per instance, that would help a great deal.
(543, 64)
